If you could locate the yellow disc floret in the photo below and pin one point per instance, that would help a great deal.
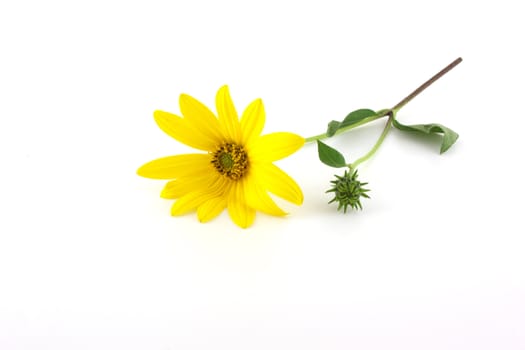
(230, 160)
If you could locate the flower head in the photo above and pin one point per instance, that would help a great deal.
(235, 171)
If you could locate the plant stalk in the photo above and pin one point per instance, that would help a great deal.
(427, 84)
(378, 144)
(394, 109)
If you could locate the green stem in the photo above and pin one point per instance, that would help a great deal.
(397, 107)
(391, 113)
(378, 143)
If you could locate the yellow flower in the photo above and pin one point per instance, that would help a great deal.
(236, 172)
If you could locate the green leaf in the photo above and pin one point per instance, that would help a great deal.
(449, 135)
(352, 118)
(358, 115)
(330, 156)
(333, 126)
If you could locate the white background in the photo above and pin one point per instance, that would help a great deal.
(91, 259)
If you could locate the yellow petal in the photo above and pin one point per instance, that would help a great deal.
(200, 117)
(189, 202)
(195, 199)
(258, 198)
(228, 118)
(211, 208)
(252, 121)
(184, 165)
(239, 211)
(275, 146)
(184, 131)
(273, 179)
(173, 190)
(182, 186)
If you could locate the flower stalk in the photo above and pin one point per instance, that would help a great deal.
(334, 158)
(377, 145)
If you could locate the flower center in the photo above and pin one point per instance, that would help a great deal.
(230, 160)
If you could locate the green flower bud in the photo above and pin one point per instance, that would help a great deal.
(348, 191)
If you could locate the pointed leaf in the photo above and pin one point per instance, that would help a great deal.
(333, 126)
(330, 156)
(449, 135)
(357, 115)
(352, 118)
